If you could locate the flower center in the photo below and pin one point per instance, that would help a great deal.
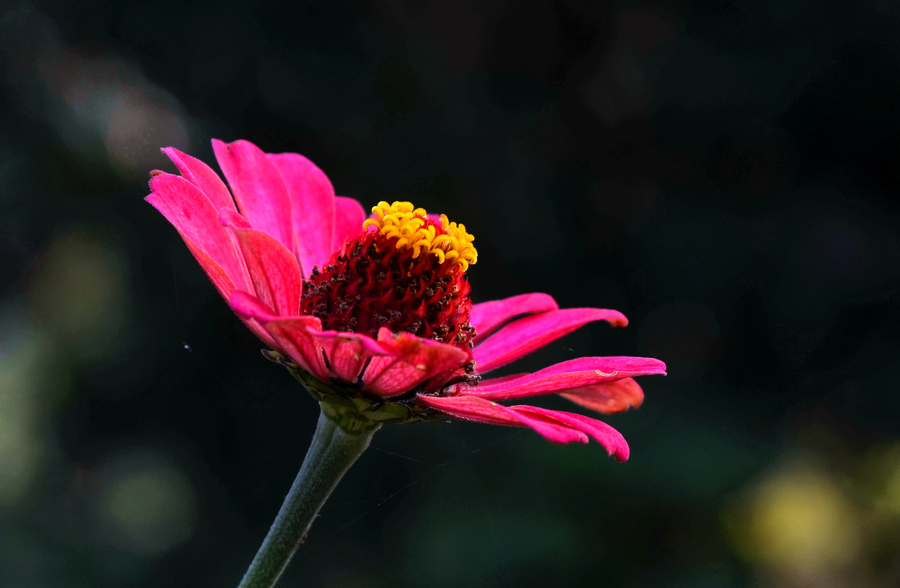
(404, 271)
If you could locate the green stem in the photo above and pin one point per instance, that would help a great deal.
(332, 452)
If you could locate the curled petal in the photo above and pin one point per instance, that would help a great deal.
(484, 411)
(487, 317)
(524, 335)
(348, 221)
(412, 360)
(293, 335)
(608, 397)
(273, 270)
(233, 219)
(202, 176)
(312, 207)
(197, 220)
(258, 188)
(599, 431)
(249, 306)
(568, 376)
(348, 353)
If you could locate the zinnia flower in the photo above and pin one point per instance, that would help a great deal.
(374, 316)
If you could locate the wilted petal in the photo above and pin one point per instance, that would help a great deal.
(524, 335)
(567, 376)
(608, 397)
(484, 411)
(197, 220)
(312, 208)
(273, 270)
(412, 360)
(258, 188)
(486, 317)
(347, 353)
(202, 176)
(348, 221)
(599, 431)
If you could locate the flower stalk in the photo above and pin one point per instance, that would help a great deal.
(332, 451)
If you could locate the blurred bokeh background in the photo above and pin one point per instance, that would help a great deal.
(725, 172)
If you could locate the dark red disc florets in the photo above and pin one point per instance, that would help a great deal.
(370, 283)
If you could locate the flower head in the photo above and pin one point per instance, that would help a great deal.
(373, 315)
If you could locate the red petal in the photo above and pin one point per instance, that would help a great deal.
(312, 207)
(599, 431)
(608, 397)
(200, 174)
(568, 376)
(412, 360)
(273, 270)
(524, 335)
(486, 317)
(258, 188)
(347, 353)
(349, 217)
(485, 411)
(197, 220)
(292, 335)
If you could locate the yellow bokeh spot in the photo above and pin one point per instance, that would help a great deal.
(407, 224)
(799, 521)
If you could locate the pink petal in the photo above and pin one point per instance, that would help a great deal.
(202, 176)
(273, 270)
(312, 207)
(412, 360)
(608, 397)
(293, 335)
(233, 219)
(484, 411)
(213, 270)
(567, 376)
(349, 217)
(248, 307)
(197, 220)
(347, 353)
(524, 335)
(486, 317)
(599, 431)
(258, 188)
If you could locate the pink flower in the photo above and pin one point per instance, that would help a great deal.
(373, 316)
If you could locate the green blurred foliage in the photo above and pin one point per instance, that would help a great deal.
(724, 172)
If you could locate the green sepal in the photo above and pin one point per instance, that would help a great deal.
(349, 407)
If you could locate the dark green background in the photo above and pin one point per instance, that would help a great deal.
(723, 172)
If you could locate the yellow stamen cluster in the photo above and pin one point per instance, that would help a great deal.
(408, 225)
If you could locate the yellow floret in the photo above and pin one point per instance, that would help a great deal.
(405, 223)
